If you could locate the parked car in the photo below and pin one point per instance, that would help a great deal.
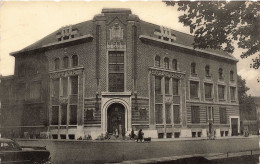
(12, 152)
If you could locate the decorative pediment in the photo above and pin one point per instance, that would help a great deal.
(116, 32)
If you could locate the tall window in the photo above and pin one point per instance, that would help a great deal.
(176, 114)
(116, 71)
(73, 115)
(175, 86)
(167, 82)
(168, 114)
(210, 114)
(223, 116)
(65, 86)
(166, 63)
(158, 87)
(207, 70)
(55, 115)
(157, 61)
(193, 68)
(221, 92)
(65, 62)
(74, 84)
(231, 75)
(74, 60)
(194, 89)
(158, 114)
(174, 64)
(220, 73)
(56, 87)
(57, 63)
(208, 90)
(195, 114)
(233, 93)
(63, 114)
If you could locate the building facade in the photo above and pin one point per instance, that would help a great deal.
(119, 72)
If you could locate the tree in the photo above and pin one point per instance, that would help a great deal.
(217, 24)
(246, 102)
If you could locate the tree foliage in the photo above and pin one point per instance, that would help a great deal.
(217, 24)
(246, 102)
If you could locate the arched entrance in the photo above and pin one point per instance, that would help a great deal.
(116, 119)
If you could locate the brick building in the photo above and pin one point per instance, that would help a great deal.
(119, 72)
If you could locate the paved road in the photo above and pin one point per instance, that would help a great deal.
(100, 152)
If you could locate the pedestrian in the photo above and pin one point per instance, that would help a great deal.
(116, 132)
(140, 135)
(132, 134)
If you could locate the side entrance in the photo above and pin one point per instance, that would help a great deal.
(116, 119)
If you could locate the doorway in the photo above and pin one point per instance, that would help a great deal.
(116, 119)
(234, 126)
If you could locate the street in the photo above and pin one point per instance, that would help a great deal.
(65, 151)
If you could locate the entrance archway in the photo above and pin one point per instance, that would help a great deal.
(116, 119)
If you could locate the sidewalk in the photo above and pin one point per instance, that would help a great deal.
(210, 156)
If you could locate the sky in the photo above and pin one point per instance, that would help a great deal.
(23, 23)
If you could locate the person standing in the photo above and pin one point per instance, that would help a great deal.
(140, 135)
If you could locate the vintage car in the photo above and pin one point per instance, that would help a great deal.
(12, 152)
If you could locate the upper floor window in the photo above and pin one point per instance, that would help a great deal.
(116, 71)
(57, 63)
(167, 83)
(74, 60)
(157, 61)
(174, 64)
(207, 70)
(74, 84)
(166, 63)
(220, 73)
(233, 93)
(193, 68)
(208, 90)
(65, 62)
(158, 85)
(231, 75)
(194, 89)
(221, 92)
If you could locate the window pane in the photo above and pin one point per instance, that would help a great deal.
(158, 89)
(157, 61)
(65, 62)
(168, 114)
(65, 86)
(166, 63)
(56, 87)
(231, 75)
(223, 117)
(116, 68)
(176, 114)
(175, 86)
(74, 60)
(221, 92)
(195, 114)
(233, 93)
(207, 70)
(116, 57)
(116, 82)
(167, 81)
(209, 113)
(174, 64)
(208, 90)
(57, 63)
(73, 114)
(74, 84)
(55, 115)
(158, 114)
(64, 115)
(193, 68)
(194, 88)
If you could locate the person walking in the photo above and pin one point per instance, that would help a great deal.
(140, 135)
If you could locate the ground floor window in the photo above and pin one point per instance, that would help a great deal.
(158, 114)
(169, 135)
(55, 115)
(176, 114)
(168, 114)
(73, 115)
(195, 114)
(223, 117)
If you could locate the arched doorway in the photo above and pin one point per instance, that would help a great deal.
(116, 119)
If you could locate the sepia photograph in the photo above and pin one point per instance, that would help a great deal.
(173, 82)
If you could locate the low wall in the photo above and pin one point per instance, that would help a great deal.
(67, 152)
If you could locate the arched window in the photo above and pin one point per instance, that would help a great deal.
(231, 75)
(57, 63)
(65, 62)
(174, 64)
(74, 60)
(220, 72)
(157, 61)
(193, 68)
(207, 70)
(166, 63)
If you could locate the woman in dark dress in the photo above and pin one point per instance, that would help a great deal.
(140, 135)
